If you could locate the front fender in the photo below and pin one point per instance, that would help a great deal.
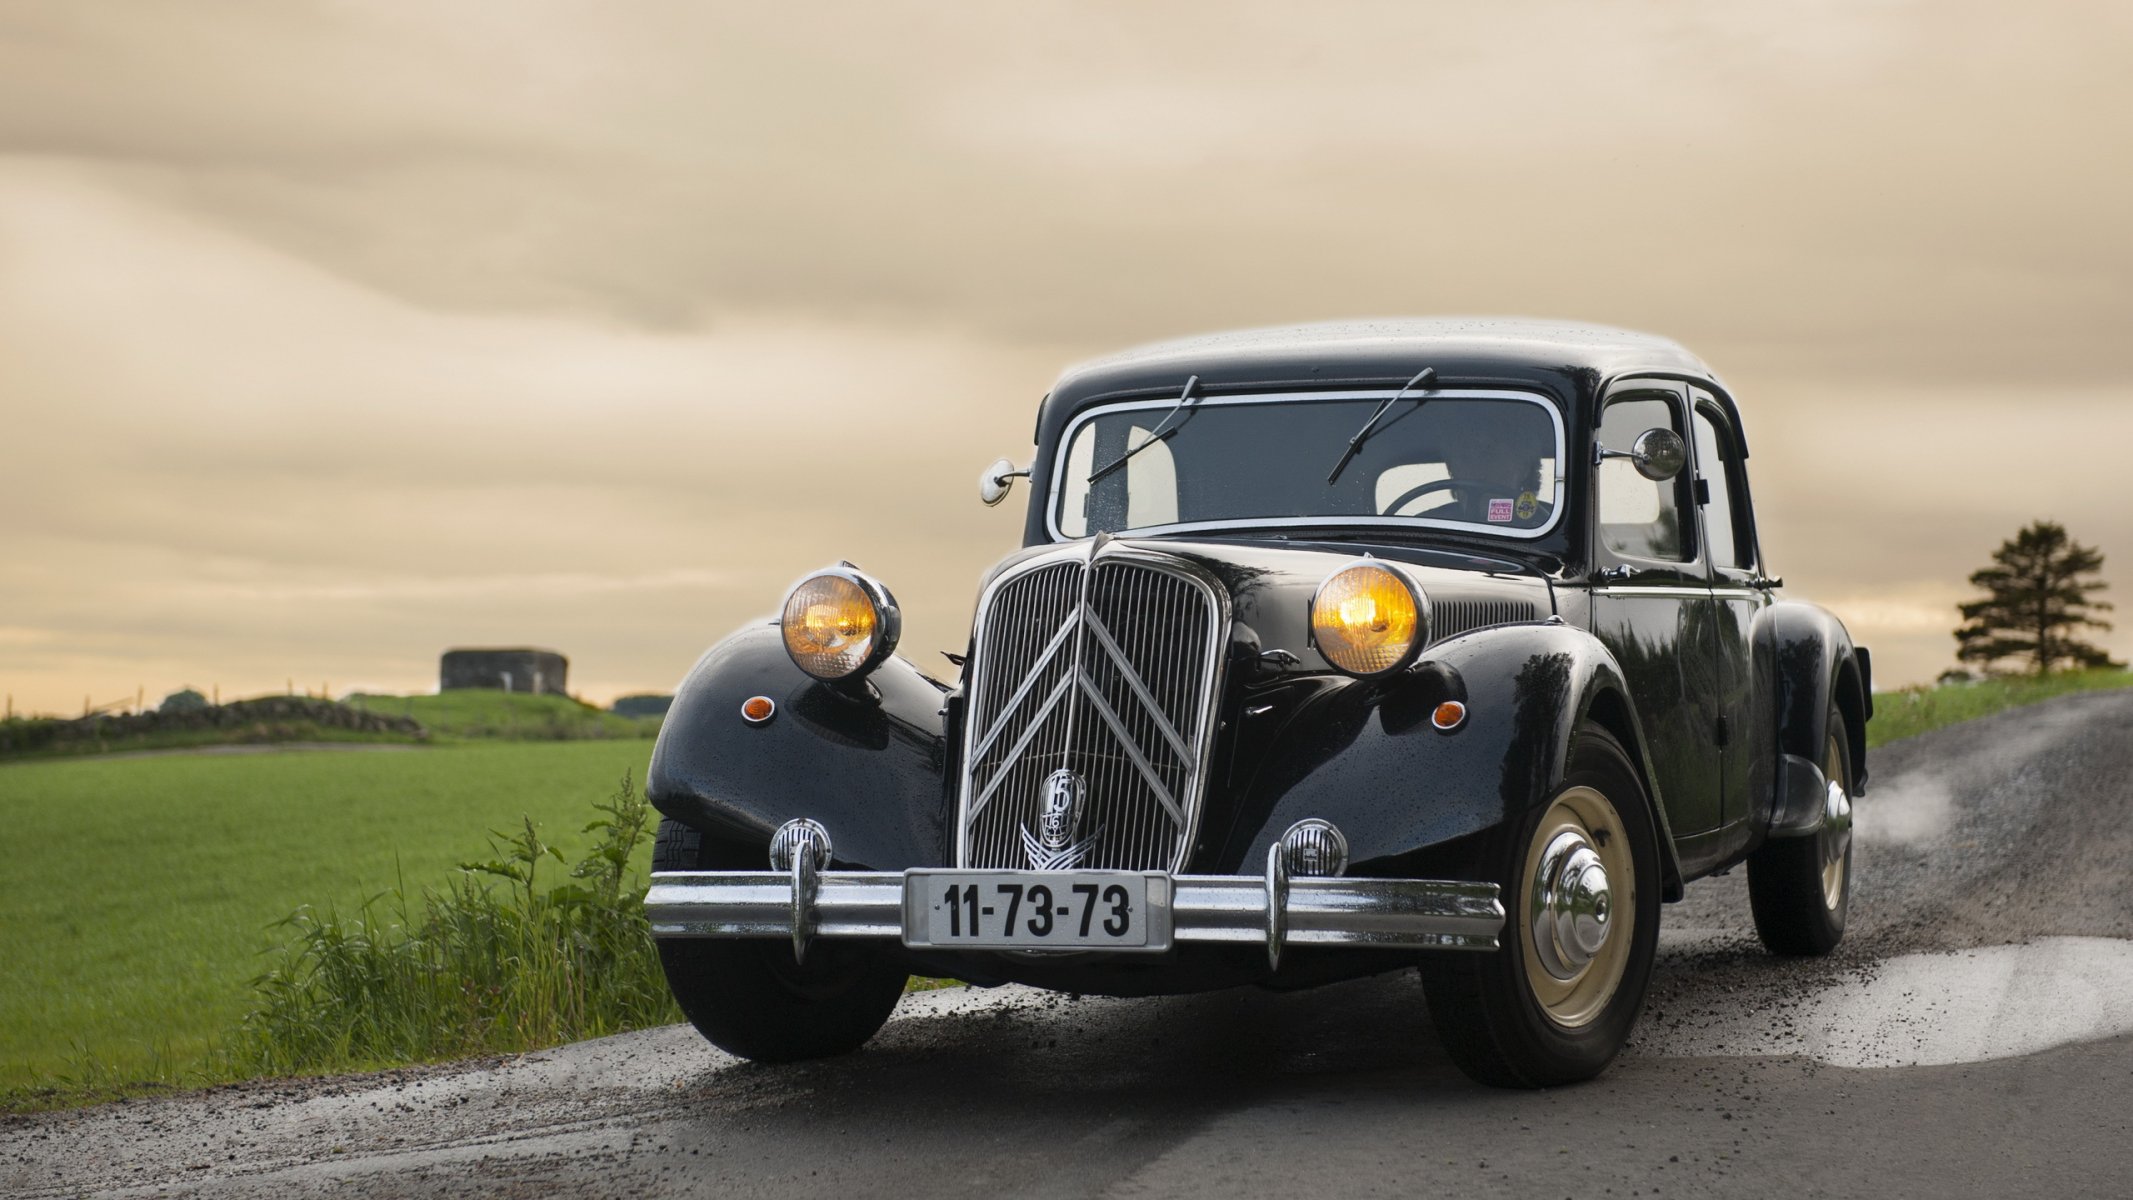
(1365, 756)
(864, 758)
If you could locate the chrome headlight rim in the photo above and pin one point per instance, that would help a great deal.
(888, 621)
(1415, 592)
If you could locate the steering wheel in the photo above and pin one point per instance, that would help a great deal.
(1459, 484)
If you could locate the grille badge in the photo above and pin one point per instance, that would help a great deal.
(1063, 793)
(1053, 847)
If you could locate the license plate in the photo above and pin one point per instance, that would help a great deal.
(1037, 910)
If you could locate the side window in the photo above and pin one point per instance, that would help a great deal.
(1715, 466)
(1638, 516)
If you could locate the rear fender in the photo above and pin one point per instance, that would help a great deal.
(1366, 756)
(865, 758)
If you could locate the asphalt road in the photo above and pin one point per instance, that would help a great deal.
(1974, 1036)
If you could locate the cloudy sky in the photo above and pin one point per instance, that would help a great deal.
(332, 335)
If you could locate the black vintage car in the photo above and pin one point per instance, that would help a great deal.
(1329, 651)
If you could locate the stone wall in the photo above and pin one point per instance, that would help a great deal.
(519, 670)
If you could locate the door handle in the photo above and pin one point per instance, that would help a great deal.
(1614, 574)
(1764, 583)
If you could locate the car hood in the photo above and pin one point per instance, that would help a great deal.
(1271, 582)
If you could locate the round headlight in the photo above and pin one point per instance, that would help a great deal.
(839, 623)
(1367, 619)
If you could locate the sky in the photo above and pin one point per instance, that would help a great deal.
(334, 335)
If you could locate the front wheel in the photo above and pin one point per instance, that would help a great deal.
(1800, 888)
(1580, 877)
(748, 997)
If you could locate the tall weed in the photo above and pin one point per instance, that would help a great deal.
(495, 961)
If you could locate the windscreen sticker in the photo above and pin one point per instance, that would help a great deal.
(1528, 504)
(1500, 512)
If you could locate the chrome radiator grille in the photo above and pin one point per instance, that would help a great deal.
(1091, 707)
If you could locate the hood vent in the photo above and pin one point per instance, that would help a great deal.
(1451, 617)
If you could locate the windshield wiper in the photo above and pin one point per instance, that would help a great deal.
(1161, 432)
(1427, 375)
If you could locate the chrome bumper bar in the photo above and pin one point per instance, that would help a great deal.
(1276, 910)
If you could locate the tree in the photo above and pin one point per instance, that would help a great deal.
(2037, 600)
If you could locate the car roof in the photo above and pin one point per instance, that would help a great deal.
(1568, 361)
(1366, 352)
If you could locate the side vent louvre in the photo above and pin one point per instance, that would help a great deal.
(1450, 618)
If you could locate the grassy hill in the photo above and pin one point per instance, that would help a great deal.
(472, 715)
(268, 720)
(510, 716)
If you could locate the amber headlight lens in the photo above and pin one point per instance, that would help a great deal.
(839, 623)
(1366, 619)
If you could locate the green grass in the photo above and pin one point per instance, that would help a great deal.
(1916, 710)
(475, 713)
(137, 896)
(519, 951)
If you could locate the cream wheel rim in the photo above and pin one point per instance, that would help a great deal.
(1836, 835)
(1577, 906)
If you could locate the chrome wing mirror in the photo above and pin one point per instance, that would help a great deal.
(1658, 454)
(995, 481)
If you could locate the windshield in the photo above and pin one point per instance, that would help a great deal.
(1481, 461)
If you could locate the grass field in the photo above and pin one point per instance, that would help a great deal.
(1913, 711)
(136, 895)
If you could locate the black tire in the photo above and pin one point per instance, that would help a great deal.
(1797, 909)
(748, 997)
(1493, 1021)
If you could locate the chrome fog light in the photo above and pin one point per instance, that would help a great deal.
(795, 836)
(1314, 847)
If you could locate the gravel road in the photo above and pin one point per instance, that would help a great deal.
(1974, 1036)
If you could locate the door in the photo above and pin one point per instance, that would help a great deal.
(1652, 606)
(1730, 551)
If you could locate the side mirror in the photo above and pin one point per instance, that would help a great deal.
(1658, 454)
(995, 481)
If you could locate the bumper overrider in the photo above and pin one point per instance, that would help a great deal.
(799, 899)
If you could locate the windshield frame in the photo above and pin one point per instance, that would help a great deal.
(1056, 493)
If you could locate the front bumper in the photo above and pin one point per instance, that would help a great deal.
(1275, 909)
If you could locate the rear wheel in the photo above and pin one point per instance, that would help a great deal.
(748, 997)
(1800, 887)
(1580, 878)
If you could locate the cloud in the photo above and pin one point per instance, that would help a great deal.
(338, 334)
(1104, 176)
(228, 464)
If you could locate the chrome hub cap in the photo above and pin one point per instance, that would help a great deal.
(1571, 906)
(1574, 955)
